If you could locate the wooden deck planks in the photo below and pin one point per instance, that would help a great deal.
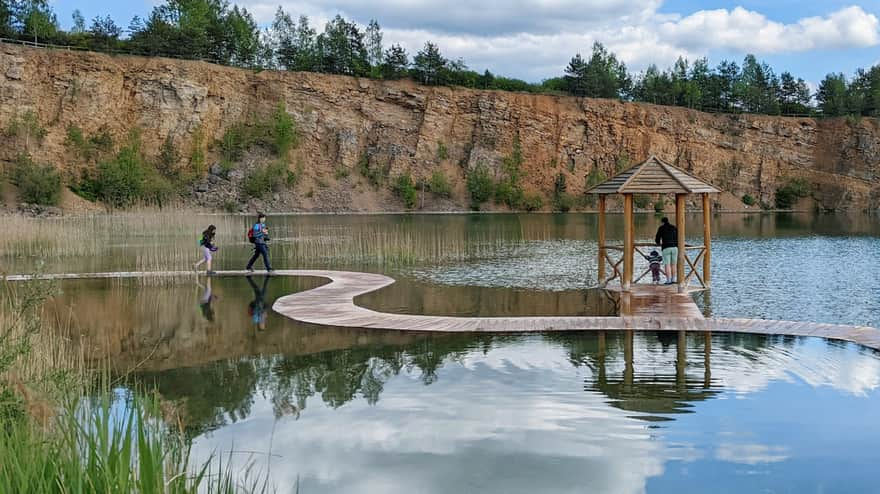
(651, 308)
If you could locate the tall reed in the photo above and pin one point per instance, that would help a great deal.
(65, 430)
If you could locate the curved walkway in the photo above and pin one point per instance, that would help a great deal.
(333, 305)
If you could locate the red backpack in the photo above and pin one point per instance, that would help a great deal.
(250, 235)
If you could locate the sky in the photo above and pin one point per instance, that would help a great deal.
(535, 39)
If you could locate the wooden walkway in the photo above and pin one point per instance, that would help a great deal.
(333, 305)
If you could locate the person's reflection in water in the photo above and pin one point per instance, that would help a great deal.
(257, 307)
(206, 299)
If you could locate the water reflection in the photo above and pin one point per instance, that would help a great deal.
(512, 414)
(371, 411)
(257, 307)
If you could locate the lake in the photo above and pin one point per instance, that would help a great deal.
(325, 409)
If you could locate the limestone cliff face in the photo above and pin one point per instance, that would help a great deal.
(401, 125)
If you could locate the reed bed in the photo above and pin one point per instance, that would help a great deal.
(65, 429)
(169, 242)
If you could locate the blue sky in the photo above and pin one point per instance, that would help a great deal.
(534, 39)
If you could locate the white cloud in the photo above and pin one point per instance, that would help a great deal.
(749, 31)
(534, 39)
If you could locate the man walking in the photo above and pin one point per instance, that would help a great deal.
(667, 239)
(259, 235)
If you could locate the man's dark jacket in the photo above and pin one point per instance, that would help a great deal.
(667, 236)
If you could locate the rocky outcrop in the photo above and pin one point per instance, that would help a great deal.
(347, 122)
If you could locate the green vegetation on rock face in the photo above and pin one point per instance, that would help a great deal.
(789, 193)
(405, 189)
(276, 133)
(37, 184)
(508, 190)
(439, 184)
(480, 185)
(264, 179)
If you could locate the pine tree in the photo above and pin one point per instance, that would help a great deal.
(429, 66)
(575, 76)
(395, 63)
(374, 43)
(832, 95)
(341, 49)
(104, 32)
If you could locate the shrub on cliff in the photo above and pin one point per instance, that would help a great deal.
(405, 188)
(788, 194)
(37, 184)
(262, 180)
(479, 185)
(533, 202)
(439, 184)
(120, 181)
(278, 133)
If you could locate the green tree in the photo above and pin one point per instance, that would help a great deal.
(341, 49)
(6, 29)
(832, 95)
(37, 184)
(373, 38)
(864, 92)
(603, 76)
(121, 180)
(35, 19)
(79, 22)
(726, 82)
(105, 33)
(429, 66)
(204, 29)
(395, 63)
(794, 95)
(294, 43)
(479, 185)
(758, 87)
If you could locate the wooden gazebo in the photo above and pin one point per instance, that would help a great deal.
(655, 176)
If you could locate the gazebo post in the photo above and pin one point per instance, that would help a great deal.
(679, 224)
(628, 242)
(601, 240)
(707, 240)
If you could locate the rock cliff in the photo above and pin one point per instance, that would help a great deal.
(346, 122)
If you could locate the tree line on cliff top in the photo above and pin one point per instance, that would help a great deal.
(215, 31)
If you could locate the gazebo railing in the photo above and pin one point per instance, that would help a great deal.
(691, 270)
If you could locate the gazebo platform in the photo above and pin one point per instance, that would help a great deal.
(663, 301)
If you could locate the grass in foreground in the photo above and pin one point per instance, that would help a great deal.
(54, 441)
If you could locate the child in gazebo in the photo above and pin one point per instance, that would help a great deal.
(654, 261)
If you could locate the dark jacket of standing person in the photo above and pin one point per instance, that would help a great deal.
(667, 235)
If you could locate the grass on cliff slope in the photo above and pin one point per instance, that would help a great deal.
(54, 441)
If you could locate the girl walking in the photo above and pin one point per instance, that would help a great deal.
(206, 243)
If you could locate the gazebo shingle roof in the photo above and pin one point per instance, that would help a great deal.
(654, 176)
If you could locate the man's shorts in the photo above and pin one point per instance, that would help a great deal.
(670, 256)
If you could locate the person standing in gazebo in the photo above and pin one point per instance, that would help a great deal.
(667, 239)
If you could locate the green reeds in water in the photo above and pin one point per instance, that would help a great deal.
(110, 446)
(60, 432)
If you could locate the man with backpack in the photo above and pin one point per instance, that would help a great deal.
(258, 235)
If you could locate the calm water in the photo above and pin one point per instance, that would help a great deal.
(340, 410)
